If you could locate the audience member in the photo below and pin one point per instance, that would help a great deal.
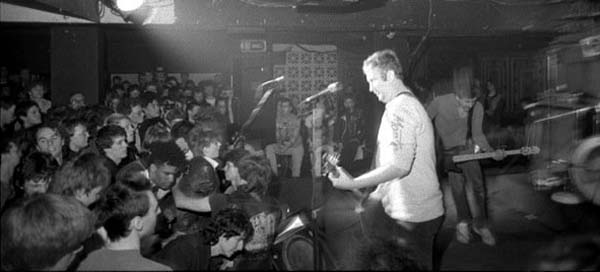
(83, 178)
(77, 101)
(161, 167)
(289, 141)
(7, 115)
(132, 136)
(28, 114)
(43, 232)
(49, 140)
(152, 114)
(156, 133)
(76, 132)
(111, 143)
(179, 133)
(126, 214)
(37, 90)
(349, 131)
(11, 156)
(224, 236)
(34, 174)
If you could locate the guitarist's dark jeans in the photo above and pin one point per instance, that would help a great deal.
(468, 191)
(419, 237)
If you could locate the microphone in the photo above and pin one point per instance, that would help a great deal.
(279, 79)
(331, 88)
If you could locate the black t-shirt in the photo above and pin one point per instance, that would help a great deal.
(186, 252)
(264, 215)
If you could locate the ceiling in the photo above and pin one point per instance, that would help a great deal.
(436, 17)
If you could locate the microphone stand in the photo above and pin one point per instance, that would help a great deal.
(314, 225)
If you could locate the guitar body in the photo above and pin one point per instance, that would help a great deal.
(330, 164)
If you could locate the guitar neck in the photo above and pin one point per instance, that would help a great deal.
(480, 156)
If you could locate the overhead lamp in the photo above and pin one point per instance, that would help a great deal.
(129, 5)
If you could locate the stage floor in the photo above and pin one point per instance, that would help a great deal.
(523, 219)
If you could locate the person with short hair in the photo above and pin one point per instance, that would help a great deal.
(289, 140)
(133, 137)
(407, 185)
(152, 113)
(37, 90)
(83, 178)
(11, 156)
(204, 144)
(49, 140)
(76, 133)
(160, 167)
(111, 142)
(7, 115)
(77, 101)
(33, 175)
(43, 232)
(126, 214)
(179, 133)
(225, 235)
(28, 115)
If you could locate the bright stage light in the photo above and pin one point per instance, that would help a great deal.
(129, 5)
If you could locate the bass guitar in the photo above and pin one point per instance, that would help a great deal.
(525, 151)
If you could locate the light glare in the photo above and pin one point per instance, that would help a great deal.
(129, 5)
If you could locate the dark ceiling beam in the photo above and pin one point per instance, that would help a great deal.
(84, 9)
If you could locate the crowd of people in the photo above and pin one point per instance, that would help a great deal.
(150, 178)
(147, 180)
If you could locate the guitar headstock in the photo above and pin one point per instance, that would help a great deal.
(530, 150)
(330, 161)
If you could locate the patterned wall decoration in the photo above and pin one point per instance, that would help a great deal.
(307, 69)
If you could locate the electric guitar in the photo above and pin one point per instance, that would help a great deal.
(330, 162)
(525, 151)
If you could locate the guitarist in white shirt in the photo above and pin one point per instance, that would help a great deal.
(408, 189)
(452, 114)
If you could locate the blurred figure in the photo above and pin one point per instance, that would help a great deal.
(77, 101)
(572, 253)
(11, 156)
(224, 236)
(383, 254)
(77, 136)
(289, 141)
(37, 90)
(59, 224)
(349, 134)
(458, 120)
(7, 115)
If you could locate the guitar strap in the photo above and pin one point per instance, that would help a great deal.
(470, 124)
